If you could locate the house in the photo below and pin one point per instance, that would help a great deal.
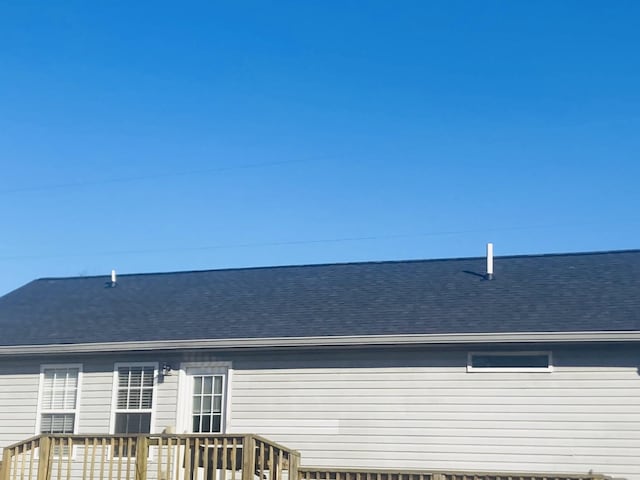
(412, 364)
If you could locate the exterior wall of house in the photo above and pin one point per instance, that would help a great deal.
(423, 410)
(412, 408)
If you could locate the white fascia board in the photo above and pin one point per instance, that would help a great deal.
(329, 341)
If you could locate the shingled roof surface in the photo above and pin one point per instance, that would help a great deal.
(544, 293)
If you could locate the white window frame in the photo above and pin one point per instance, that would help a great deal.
(184, 404)
(519, 353)
(114, 399)
(42, 411)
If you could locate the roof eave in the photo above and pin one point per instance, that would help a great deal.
(328, 341)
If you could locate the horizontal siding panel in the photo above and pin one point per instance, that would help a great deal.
(94, 408)
(615, 466)
(249, 401)
(94, 390)
(402, 410)
(526, 456)
(419, 442)
(22, 432)
(16, 396)
(11, 410)
(418, 373)
(378, 420)
(464, 435)
(626, 470)
(371, 427)
(322, 395)
(426, 385)
(414, 450)
(24, 390)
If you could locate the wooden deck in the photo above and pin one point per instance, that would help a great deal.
(197, 457)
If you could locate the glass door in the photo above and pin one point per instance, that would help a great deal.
(207, 394)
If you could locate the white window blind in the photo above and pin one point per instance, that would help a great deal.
(57, 423)
(135, 388)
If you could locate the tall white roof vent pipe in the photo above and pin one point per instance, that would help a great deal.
(113, 278)
(489, 275)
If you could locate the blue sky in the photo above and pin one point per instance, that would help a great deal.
(159, 136)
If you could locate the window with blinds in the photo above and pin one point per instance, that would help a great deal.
(59, 398)
(134, 398)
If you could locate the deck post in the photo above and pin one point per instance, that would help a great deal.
(294, 465)
(5, 469)
(142, 452)
(44, 456)
(248, 457)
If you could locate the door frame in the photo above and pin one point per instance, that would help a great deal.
(184, 403)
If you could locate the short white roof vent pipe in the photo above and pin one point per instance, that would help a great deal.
(489, 275)
(113, 278)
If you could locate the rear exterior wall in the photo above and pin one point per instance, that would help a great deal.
(400, 408)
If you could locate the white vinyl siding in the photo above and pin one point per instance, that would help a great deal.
(19, 385)
(96, 399)
(575, 419)
(166, 398)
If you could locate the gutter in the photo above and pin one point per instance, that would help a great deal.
(328, 341)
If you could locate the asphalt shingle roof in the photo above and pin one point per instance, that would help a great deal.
(543, 293)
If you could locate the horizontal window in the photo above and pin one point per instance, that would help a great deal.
(509, 362)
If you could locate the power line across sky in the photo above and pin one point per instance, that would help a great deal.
(301, 242)
(151, 176)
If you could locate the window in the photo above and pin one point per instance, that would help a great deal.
(59, 386)
(206, 414)
(134, 397)
(509, 362)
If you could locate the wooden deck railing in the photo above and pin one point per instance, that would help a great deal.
(197, 457)
(150, 457)
(310, 473)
